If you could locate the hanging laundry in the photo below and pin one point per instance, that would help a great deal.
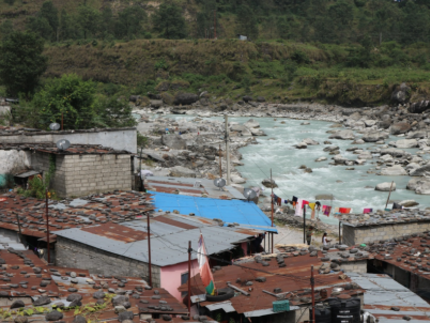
(312, 206)
(278, 201)
(323, 208)
(344, 210)
(305, 203)
(327, 210)
(299, 210)
(368, 210)
(336, 210)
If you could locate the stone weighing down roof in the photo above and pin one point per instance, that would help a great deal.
(113, 207)
(192, 187)
(261, 274)
(24, 275)
(392, 217)
(170, 234)
(74, 149)
(389, 301)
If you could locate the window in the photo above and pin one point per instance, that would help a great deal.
(184, 279)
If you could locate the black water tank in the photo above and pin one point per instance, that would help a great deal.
(345, 310)
(322, 314)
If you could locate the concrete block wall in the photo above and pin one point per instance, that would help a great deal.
(73, 254)
(355, 267)
(89, 174)
(357, 235)
(41, 162)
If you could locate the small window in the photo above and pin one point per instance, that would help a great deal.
(184, 279)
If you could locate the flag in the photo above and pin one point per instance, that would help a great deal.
(205, 270)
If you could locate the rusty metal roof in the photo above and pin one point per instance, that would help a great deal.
(74, 149)
(293, 280)
(117, 232)
(95, 209)
(192, 187)
(23, 274)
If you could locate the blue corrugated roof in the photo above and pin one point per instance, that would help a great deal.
(246, 214)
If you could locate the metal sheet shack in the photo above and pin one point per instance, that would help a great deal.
(122, 249)
(81, 169)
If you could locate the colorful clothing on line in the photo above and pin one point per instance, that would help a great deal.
(344, 210)
(278, 201)
(336, 210)
(299, 210)
(368, 210)
(312, 206)
(327, 210)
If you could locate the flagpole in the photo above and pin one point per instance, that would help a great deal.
(189, 278)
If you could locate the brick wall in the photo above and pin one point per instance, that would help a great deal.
(357, 235)
(355, 267)
(73, 254)
(81, 175)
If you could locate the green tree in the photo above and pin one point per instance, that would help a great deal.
(21, 62)
(169, 22)
(129, 22)
(10, 2)
(68, 26)
(41, 27)
(106, 27)
(415, 23)
(113, 112)
(6, 28)
(50, 13)
(247, 22)
(88, 19)
(69, 96)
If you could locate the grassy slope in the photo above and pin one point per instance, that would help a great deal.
(220, 67)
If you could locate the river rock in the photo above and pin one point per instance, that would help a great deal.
(386, 159)
(413, 183)
(237, 179)
(365, 155)
(400, 128)
(393, 152)
(257, 132)
(240, 129)
(421, 171)
(409, 203)
(419, 134)
(269, 183)
(340, 160)
(174, 142)
(301, 145)
(310, 142)
(423, 188)
(419, 107)
(406, 143)
(179, 171)
(251, 124)
(374, 136)
(370, 123)
(320, 159)
(185, 98)
(343, 135)
(156, 104)
(331, 148)
(395, 170)
(385, 187)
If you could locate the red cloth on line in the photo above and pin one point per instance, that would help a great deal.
(279, 201)
(327, 210)
(344, 210)
(304, 203)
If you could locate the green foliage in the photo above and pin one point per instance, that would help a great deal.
(37, 188)
(70, 96)
(142, 141)
(247, 22)
(169, 22)
(9, 2)
(6, 28)
(129, 22)
(113, 112)
(21, 62)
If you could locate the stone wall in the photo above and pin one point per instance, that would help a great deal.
(81, 175)
(119, 139)
(73, 254)
(365, 234)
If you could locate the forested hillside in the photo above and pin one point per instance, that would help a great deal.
(351, 52)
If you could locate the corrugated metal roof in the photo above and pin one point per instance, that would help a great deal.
(187, 186)
(246, 214)
(383, 293)
(169, 244)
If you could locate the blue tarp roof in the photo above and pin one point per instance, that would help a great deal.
(246, 214)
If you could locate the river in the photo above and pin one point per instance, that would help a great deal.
(351, 188)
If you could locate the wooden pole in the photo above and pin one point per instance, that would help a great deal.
(149, 250)
(227, 149)
(189, 278)
(220, 167)
(271, 233)
(304, 224)
(47, 226)
(313, 293)
(389, 194)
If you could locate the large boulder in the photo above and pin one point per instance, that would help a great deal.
(395, 170)
(179, 171)
(394, 152)
(340, 160)
(310, 142)
(406, 143)
(240, 129)
(400, 94)
(400, 128)
(269, 183)
(413, 183)
(419, 107)
(251, 123)
(331, 148)
(185, 98)
(423, 170)
(419, 134)
(324, 197)
(343, 135)
(174, 142)
(301, 145)
(374, 136)
(408, 203)
(423, 188)
(385, 187)
(257, 132)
